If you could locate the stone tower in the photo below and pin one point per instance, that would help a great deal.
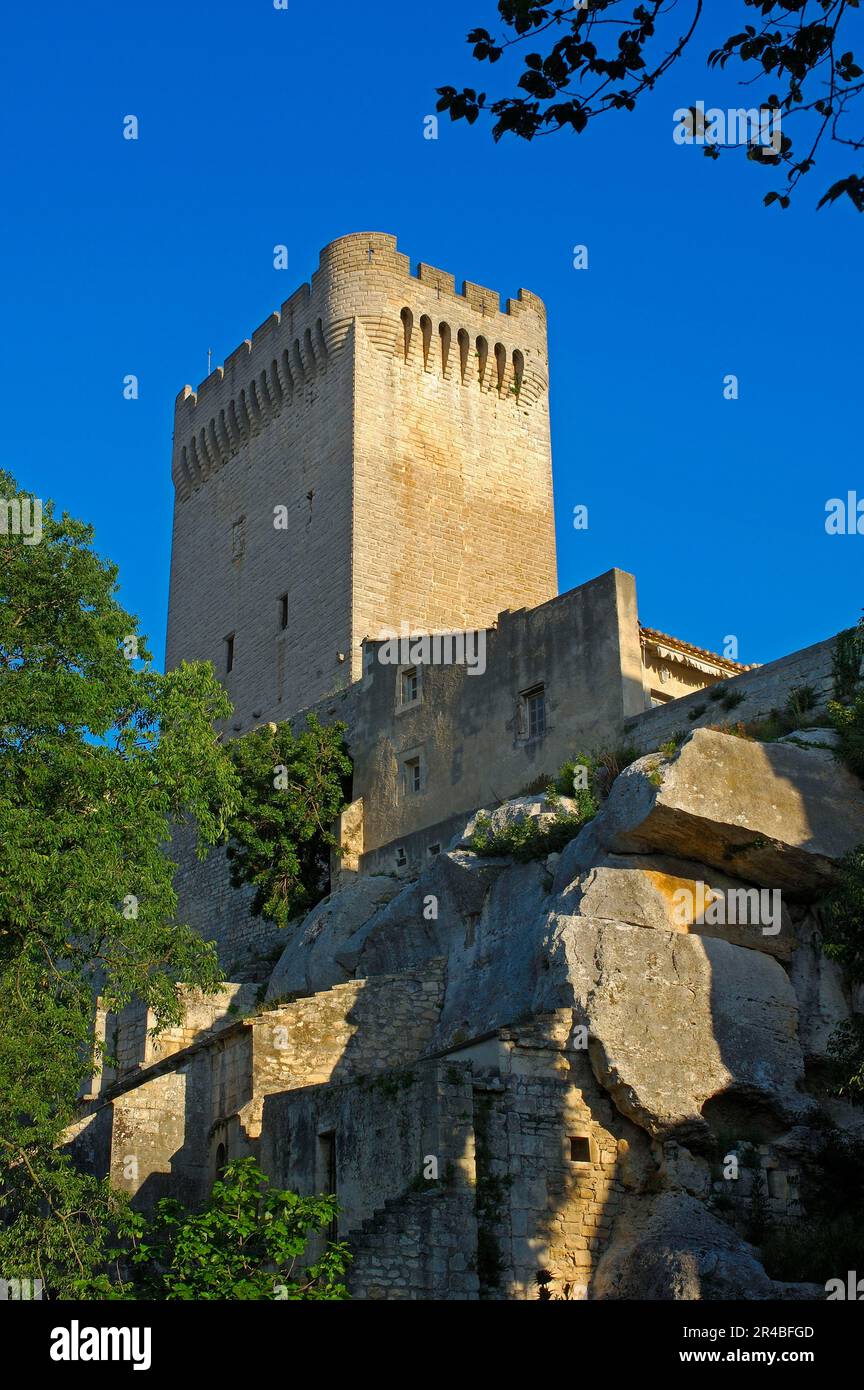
(376, 455)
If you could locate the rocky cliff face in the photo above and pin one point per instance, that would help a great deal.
(678, 933)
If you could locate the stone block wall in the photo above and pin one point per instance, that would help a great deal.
(355, 1029)
(469, 731)
(763, 689)
(129, 1037)
(551, 1156)
(421, 1247)
(386, 1128)
(168, 1119)
(767, 1187)
(247, 945)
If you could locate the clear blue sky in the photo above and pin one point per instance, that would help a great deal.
(260, 127)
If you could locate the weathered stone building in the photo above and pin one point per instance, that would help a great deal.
(514, 1075)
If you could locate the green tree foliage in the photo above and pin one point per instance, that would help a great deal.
(846, 1046)
(99, 757)
(843, 915)
(843, 940)
(245, 1245)
(848, 720)
(603, 55)
(293, 788)
(847, 659)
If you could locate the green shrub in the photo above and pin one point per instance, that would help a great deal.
(246, 1245)
(848, 720)
(846, 663)
(727, 695)
(583, 780)
(802, 699)
(571, 775)
(846, 1047)
(732, 698)
(599, 768)
(843, 916)
(527, 838)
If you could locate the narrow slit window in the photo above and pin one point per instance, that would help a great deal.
(482, 356)
(407, 327)
(444, 333)
(229, 653)
(518, 370)
(426, 333)
(464, 350)
(328, 1173)
(283, 611)
(500, 364)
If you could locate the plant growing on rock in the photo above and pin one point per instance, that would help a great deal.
(847, 659)
(523, 840)
(848, 720)
(843, 916)
(846, 1047)
(843, 941)
(593, 773)
(529, 837)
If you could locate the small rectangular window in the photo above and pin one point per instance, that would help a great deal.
(410, 686)
(433, 850)
(534, 711)
(412, 776)
(283, 612)
(580, 1148)
(238, 539)
(229, 652)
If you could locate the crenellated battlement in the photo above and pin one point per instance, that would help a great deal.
(419, 319)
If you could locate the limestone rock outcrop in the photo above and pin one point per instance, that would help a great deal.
(773, 814)
(674, 1020)
(678, 933)
(672, 1248)
(309, 961)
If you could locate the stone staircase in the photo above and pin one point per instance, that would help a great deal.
(417, 1246)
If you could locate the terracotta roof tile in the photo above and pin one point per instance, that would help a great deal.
(650, 634)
